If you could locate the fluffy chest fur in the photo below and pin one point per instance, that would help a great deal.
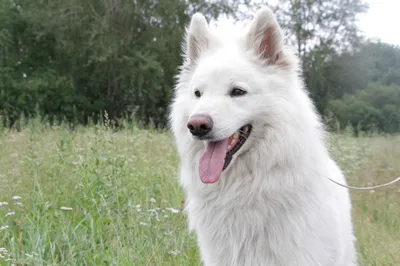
(266, 217)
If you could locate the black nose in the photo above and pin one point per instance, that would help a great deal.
(199, 126)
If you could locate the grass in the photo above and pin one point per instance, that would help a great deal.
(95, 196)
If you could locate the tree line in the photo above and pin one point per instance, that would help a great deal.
(71, 60)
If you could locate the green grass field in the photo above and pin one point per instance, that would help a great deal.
(99, 197)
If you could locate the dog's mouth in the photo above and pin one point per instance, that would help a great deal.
(218, 154)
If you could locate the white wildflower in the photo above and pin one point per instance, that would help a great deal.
(143, 224)
(66, 208)
(3, 227)
(174, 252)
(16, 198)
(3, 203)
(19, 204)
(10, 213)
(152, 200)
(153, 213)
(173, 210)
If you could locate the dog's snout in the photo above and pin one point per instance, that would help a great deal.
(199, 126)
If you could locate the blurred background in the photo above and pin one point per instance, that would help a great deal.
(72, 60)
(88, 170)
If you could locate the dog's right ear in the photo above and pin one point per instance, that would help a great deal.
(197, 37)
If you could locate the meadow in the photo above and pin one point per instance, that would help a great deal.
(97, 196)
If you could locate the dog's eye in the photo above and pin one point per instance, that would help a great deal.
(197, 93)
(237, 92)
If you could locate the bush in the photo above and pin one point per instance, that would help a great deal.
(375, 108)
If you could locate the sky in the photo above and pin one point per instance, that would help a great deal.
(382, 20)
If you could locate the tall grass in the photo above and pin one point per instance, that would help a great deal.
(96, 196)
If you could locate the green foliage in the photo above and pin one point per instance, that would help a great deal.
(377, 108)
(326, 25)
(74, 59)
(366, 88)
(369, 63)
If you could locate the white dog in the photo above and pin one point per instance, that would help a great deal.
(254, 164)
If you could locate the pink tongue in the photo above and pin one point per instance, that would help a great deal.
(212, 161)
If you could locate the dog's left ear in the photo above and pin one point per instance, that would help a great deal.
(265, 37)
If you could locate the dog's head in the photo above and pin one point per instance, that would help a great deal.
(232, 91)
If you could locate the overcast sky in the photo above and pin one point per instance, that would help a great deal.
(381, 21)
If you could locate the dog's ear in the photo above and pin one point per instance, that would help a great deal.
(265, 37)
(197, 37)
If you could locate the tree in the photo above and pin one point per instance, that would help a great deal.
(375, 108)
(76, 58)
(330, 25)
(372, 62)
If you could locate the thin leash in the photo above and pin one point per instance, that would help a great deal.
(367, 188)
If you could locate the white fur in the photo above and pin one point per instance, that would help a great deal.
(273, 205)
